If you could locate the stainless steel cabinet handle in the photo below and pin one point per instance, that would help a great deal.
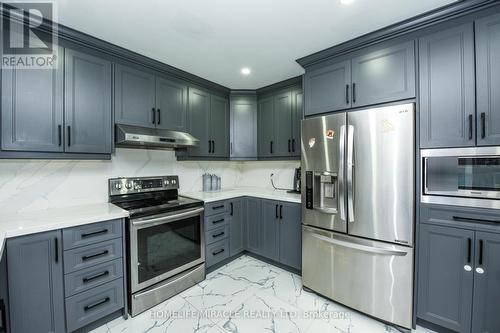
(341, 184)
(350, 173)
(361, 247)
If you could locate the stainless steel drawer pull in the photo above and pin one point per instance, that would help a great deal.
(218, 221)
(93, 277)
(92, 256)
(91, 306)
(218, 235)
(217, 252)
(95, 233)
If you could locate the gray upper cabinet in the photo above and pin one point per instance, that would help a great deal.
(485, 317)
(236, 226)
(270, 229)
(243, 118)
(171, 104)
(254, 225)
(87, 103)
(32, 108)
(266, 127)
(297, 116)
(445, 288)
(384, 75)
(134, 97)
(488, 80)
(283, 124)
(447, 88)
(290, 235)
(219, 126)
(198, 118)
(35, 277)
(327, 88)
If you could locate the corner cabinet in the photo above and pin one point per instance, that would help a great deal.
(243, 118)
(36, 289)
(380, 74)
(488, 80)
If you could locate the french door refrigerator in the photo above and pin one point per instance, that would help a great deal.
(358, 209)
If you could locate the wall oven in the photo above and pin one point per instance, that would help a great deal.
(461, 176)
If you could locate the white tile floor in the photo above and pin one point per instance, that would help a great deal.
(248, 295)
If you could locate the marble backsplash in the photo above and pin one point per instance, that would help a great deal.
(38, 184)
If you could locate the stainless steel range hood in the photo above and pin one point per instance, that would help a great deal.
(152, 138)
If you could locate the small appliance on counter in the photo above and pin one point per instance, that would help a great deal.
(297, 180)
(165, 239)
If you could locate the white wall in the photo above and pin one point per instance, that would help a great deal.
(39, 184)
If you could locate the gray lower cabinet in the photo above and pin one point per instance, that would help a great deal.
(254, 225)
(266, 142)
(327, 88)
(32, 108)
(236, 226)
(444, 286)
(171, 104)
(447, 88)
(87, 103)
(290, 235)
(36, 288)
(384, 75)
(485, 318)
(487, 32)
(134, 96)
(243, 126)
(270, 225)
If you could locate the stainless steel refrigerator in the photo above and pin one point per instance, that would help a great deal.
(358, 206)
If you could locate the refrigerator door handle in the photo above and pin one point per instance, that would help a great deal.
(350, 173)
(341, 202)
(360, 247)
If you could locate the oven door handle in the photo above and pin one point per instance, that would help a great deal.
(168, 218)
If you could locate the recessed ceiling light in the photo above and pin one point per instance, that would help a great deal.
(346, 2)
(245, 71)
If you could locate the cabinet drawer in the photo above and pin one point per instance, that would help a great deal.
(89, 306)
(91, 233)
(87, 278)
(215, 221)
(217, 252)
(216, 234)
(218, 207)
(92, 255)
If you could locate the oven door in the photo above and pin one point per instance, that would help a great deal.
(162, 246)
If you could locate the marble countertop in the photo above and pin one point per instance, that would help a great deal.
(236, 192)
(30, 222)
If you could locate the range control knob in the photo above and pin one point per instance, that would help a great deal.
(128, 186)
(137, 186)
(167, 182)
(174, 181)
(118, 186)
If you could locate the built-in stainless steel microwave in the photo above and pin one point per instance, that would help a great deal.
(462, 176)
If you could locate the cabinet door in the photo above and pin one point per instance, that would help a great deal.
(243, 120)
(219, 126)
(444, 286)
(253, 225)
(32, 108)
(236, 226)
(198, 121)
(87, 103)
(283, 124)
(328, 88)
(488, 80)
(384, 75)
(290, 235)
(171, 104)
(270, 229)
(134, 97)
(35, 277)
(267, 144)
(297, 116)
(485, 317)
(447, 88)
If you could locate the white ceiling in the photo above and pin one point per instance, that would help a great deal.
(215, 39)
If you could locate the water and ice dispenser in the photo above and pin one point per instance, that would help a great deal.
(322, 191)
